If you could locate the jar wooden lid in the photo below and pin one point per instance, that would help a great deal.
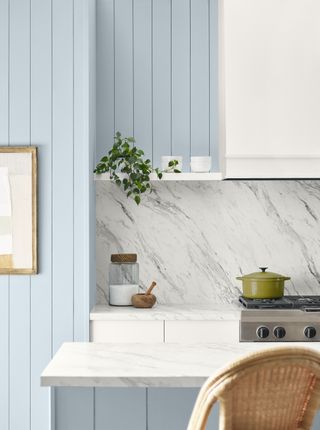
(124, 258)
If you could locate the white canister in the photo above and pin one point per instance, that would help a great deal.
(120, 295)
(200, 164)
(165, 159)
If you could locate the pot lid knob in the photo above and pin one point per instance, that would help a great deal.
(263, 269)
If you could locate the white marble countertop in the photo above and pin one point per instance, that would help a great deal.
(144, 365)
(206, 312)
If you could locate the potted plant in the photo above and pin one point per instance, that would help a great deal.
(124, 157)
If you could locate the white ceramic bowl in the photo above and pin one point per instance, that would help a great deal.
(165, 161)
(200, 164)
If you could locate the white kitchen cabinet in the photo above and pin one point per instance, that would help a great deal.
(127, 331)
(165, 323)
(270, 88)
(201, 331)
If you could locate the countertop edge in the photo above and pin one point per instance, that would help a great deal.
(215, 312)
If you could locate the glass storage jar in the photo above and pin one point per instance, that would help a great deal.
(123, 279)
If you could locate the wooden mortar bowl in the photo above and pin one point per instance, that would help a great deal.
(143, 300)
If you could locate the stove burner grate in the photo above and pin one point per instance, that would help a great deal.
(285, 302)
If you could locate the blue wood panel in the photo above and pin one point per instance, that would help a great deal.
(181, 112)
(81, 195)
(142, 75)
(105, 77)
(120, 409)
(124, 67)
(180, 80)
(74, 409)
(214, 113)
(19, 353)
(19, 134)
(171, 408)
(4, 72)
(4, 280)
(28, 79)
(41, 285)
(4, 352)
(63, 150)
(161, 80)
(199, 77)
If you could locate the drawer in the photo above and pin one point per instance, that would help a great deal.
(201, 331)
(127, 331)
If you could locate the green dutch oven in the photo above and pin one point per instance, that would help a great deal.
(263, 285)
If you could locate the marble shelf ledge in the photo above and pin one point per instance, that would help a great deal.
(213, 312)
(184, 176)
(144, 365)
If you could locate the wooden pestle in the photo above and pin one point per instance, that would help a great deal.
(151, 287)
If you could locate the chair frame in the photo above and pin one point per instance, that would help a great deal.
(216, 386)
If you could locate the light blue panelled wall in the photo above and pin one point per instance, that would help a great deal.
(45, 101)
(157, 76)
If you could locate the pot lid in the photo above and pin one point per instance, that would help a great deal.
(263, 275)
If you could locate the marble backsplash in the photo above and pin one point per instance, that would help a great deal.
(194, 238)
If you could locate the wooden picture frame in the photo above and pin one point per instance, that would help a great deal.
(18, 177)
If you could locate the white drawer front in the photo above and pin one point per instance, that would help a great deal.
(201, 331)
(127, 331)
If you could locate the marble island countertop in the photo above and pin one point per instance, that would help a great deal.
(200, 312)
(145, 365)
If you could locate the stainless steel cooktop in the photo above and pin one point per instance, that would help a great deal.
(289, 319)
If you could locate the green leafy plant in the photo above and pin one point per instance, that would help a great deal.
(125, 157)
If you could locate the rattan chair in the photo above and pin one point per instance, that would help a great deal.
(275, 389)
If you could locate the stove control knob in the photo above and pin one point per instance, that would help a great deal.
(310, 332)
(279, 332)
(262, 332)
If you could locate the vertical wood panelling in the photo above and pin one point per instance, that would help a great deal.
(161, 79)
(105, 76)
(74, 409)
(19, 134)
(143, 75)
(63, 150)
(124, 67)
(199, 77)
(28, 79)
(157, 76)
(213, 57)
(91, 261)
(4, 280)
(120, 409)
(84, 39)
(81, 152)
(181, 108)
(41, 285)
(170, 409)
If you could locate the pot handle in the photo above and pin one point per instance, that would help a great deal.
(263, 269)
(239, 278)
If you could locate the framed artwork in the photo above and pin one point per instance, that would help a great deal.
(18, 210)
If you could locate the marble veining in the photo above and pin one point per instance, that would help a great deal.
(194, 238)
(145, 365)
